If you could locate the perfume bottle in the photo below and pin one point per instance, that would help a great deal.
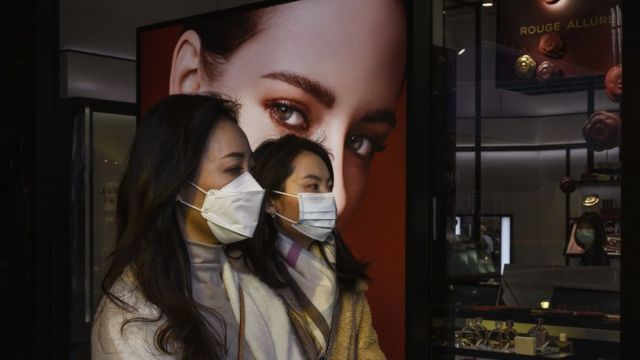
(458, 339)
(469, 336)
(482, 330)
(510, 334)
(541, 334)
(497, 337)
(564, 345)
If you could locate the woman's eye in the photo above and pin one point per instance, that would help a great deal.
(235, 170)
(364, 146)
(288, 114)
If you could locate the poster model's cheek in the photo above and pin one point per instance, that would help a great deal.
(356, 175)
(349, 178)
(256, 122)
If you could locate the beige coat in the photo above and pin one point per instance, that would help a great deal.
(354, 336)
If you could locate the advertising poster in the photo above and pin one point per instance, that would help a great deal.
(332, 71)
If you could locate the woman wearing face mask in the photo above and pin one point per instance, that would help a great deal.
(185, 197)
(308, 265)
(590, 236)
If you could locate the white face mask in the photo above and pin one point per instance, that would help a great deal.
(317, 214)
(232, 212)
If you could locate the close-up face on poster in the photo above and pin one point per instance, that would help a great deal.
(331, 71)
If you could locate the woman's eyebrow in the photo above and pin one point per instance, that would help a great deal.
(237, 155)
(313, 87)
(312, 177)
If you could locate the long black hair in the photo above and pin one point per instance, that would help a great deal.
(273, 165)
(166, 152)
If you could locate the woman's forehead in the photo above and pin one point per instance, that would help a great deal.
(309, 165)
(227, 138)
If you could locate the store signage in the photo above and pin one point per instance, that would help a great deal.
(574, 24)
(574, 37)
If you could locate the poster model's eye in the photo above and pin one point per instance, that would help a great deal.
(364, 145)
(288, 114)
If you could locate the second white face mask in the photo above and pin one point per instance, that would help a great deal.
(318, 213)
(232, 212)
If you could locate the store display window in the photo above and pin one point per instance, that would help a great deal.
(526, 115)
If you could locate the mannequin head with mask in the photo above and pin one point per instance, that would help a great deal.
(590, 231)
(590, 236)
(297, 177)
(183, 144)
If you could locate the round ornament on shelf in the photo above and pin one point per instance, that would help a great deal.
(547, 71)
(552, 44)
(567, 185)
(613, 83)
(525, 67)
(602, 131)
(591, 200)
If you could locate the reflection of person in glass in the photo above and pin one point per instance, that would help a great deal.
(487, 240)
(489, 245)
(328, 70)
(591, 237)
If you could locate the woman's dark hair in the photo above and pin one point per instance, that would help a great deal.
(165, 153)
(594, 254)
(222, 34)
(273, 165)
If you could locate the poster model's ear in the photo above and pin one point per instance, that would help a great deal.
(185, 65)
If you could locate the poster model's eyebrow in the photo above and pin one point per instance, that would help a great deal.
(382, 116)
(320, 92)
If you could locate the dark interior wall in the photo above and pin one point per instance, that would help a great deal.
(630, 150)
(31, 289)
(17, 93)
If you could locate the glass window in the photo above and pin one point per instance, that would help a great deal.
(533, 90)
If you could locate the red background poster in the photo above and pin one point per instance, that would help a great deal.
(376, 230)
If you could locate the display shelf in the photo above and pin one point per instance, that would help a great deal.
(571, 319)
(498, 355)
(610, 255)
(562, 85)
(591, 333)
(599, 182)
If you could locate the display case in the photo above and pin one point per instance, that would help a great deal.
(534, 117)
(102, 132)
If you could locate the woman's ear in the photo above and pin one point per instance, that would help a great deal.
(270, 209)
(185, 65)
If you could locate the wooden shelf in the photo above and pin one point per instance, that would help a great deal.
(598, 182)
(497, 355)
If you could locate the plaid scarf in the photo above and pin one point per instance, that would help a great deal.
(311, 295)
